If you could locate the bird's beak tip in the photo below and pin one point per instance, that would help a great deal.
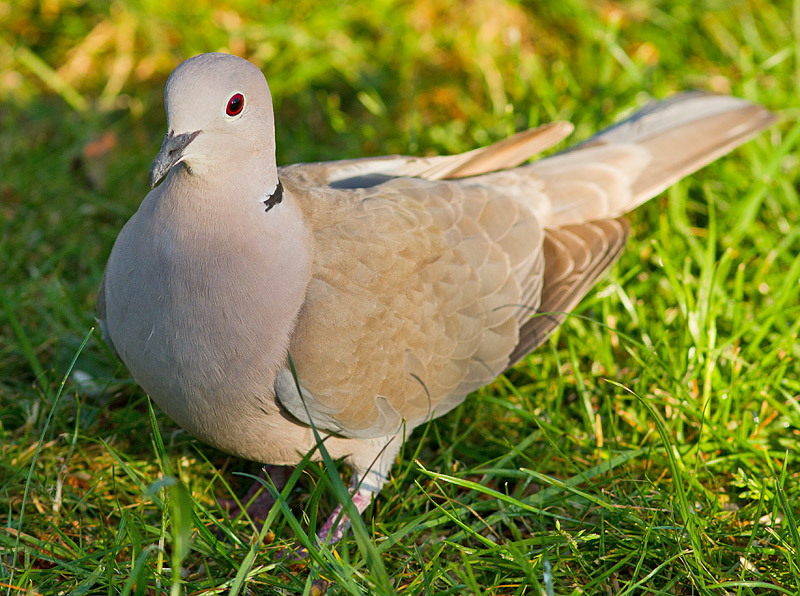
(170, 154)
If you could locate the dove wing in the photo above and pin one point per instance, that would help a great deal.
(423, 289)
(414, 301)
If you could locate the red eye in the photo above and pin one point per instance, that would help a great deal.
(235, 105)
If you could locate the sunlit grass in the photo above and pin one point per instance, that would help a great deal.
(649, 448)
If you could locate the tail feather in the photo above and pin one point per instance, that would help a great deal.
(588, 187)
(681, 151)
(652, 149)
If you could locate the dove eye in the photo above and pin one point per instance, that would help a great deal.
(235, 105)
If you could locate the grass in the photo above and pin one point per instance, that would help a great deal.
(650, 447)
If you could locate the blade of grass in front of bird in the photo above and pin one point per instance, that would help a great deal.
(280, 505)
(366, 545)
(178, 515)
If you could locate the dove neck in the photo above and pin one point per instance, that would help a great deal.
(220, 192)
(234, 213)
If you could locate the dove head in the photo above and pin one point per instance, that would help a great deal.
(220, 123)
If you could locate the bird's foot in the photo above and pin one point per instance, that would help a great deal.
(337, 524)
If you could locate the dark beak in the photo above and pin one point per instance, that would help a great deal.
(171, 152)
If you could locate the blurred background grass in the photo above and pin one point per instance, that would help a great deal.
(705, 302)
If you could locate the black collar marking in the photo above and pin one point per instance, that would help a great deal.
(275, 198)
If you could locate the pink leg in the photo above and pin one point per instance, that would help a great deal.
(331, 533)
(370, 471)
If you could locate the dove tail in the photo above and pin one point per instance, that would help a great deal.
(629, 163)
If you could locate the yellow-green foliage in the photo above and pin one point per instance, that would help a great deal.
(649, 448)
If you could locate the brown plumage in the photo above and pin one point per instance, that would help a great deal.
(398, 284)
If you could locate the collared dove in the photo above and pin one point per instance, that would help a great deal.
(398, 285)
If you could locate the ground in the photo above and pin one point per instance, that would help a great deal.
(650, 447)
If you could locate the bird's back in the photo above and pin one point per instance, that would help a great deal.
(424, 290)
